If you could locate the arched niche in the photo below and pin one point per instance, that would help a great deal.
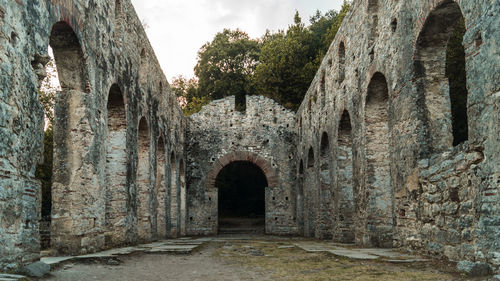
(344, 197)
(116, 167)
(440, 77)
(144, 196)
(377, 176)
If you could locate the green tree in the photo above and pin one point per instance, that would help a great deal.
(289, 60)
(226, 64)
(47, 97)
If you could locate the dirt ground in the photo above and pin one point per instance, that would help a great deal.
(249, 260)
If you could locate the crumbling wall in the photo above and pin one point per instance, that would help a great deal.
(411, 186)
(219, 135)
(101, 50)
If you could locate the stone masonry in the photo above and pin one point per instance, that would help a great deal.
(374, 155)
(263, 135)
(111, 181)
(382, 100)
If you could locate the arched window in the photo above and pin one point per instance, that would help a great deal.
(440, 60)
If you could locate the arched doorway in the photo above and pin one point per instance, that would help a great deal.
(241, 198)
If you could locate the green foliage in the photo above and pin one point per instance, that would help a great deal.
(279, 65)
(195, 105)
(186, 88)
(44, 171)
(226, 64)
(289, 61)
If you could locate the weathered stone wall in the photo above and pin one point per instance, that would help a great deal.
(101, 51)
(263, 135)
(411, 188)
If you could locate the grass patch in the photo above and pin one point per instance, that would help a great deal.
(296, 264)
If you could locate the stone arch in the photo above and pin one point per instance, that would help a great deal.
(144, 195)
(116, 167)
(341, 62)
(259, 161)
(161, 189)
(70, 145)
(69, 57)
(440, 76)
(344, 195)
(377, 182)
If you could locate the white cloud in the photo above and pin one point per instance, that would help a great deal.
(178, 28)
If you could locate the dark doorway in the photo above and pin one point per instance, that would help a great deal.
(241, 192)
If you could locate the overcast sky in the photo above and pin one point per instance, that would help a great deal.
(178, 28)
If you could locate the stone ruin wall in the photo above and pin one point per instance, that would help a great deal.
(386, 170)
(367, 158)
(113, 157)
(263, 134)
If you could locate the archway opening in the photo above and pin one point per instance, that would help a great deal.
(440, 76)
(61, 93)
(241, 198)
(344, 197)
(378, 185)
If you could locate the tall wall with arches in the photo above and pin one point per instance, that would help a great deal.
(118, 130)
(398, 133)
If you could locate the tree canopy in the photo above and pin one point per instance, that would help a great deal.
(279, 65)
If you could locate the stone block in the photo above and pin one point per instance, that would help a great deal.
(474, 269)
(37, 269)
(452, 253)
